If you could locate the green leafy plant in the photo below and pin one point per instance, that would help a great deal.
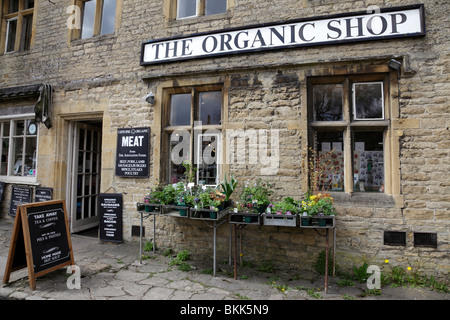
(228, 186)
(183, 255)
(319, 264)
(360, 273)
(155, 196)
(257, 193)
(318, 204)
(287, 206)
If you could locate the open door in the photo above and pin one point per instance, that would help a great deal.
(84, 182)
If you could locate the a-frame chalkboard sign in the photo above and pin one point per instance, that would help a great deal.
(40, 240)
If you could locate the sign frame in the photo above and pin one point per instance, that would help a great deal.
(134, 157)
(13, 208)
(116, 217)
(226, 42)
(21, 249)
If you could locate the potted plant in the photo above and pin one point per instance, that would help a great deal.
(318, 206)
(228, 187)
(154, 197)
(258, 194)
(282, 213)
(181, 202)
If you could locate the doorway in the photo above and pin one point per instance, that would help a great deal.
(84, 174)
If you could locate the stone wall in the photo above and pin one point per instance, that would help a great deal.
(101, 77)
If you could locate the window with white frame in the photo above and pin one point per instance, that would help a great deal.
(192, 132)
(195, 8)
(18, 140)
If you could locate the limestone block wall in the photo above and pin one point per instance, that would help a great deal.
(101, 78)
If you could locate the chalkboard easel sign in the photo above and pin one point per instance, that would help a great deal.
(40, 240)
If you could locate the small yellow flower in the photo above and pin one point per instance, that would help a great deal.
(241, 254)
(386, 261)
(409, 268)
(282, 289)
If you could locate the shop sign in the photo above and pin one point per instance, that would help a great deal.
(133, 146)
(111, 207)
(343, 28)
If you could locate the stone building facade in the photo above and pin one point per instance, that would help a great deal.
(91, 53)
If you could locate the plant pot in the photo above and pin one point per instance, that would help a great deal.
(305, 221)
(149, 208)
(250, 219)
(213, 215)
(182, 212)
(322, 222)
(262, 208)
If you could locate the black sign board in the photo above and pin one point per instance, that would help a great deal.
(19, 195)
(133, 147)
(40, 241)
(43, 194)
(110, 215)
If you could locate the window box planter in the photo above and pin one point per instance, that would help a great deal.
(317, 222)
(151, 207)
(208, 214)
(279, 220)
(245, 218)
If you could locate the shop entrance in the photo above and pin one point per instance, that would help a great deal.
(84, 174)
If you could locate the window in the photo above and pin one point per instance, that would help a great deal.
(347, 131)
(18, 138)
(98, 17)
(18, 24)
(192, 132)
(194, 8)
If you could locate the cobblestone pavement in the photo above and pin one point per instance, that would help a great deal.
(113, 272)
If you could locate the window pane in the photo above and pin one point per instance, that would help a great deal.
(87, 29)
(11, 36)
(327, 172)
(327, 102)
(368, 100)
(177, 155)
(13, 6)
(186, 8)
(17, 156)
(6, 127)
(215, 6)
(26, 32)
(108, 16)
(28, 4)
(180, 109)
(368, 161)
(30, 157)
(207, 171)
(19, 128)
(210, 105)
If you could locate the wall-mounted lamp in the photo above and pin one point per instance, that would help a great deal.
(150, 98)
(394, 64)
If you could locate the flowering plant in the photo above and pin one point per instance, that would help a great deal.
(154, 196)
(287, 206)
(257, 193)
(318, 204)
(245, 207)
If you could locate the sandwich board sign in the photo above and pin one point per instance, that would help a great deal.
(40, 240)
